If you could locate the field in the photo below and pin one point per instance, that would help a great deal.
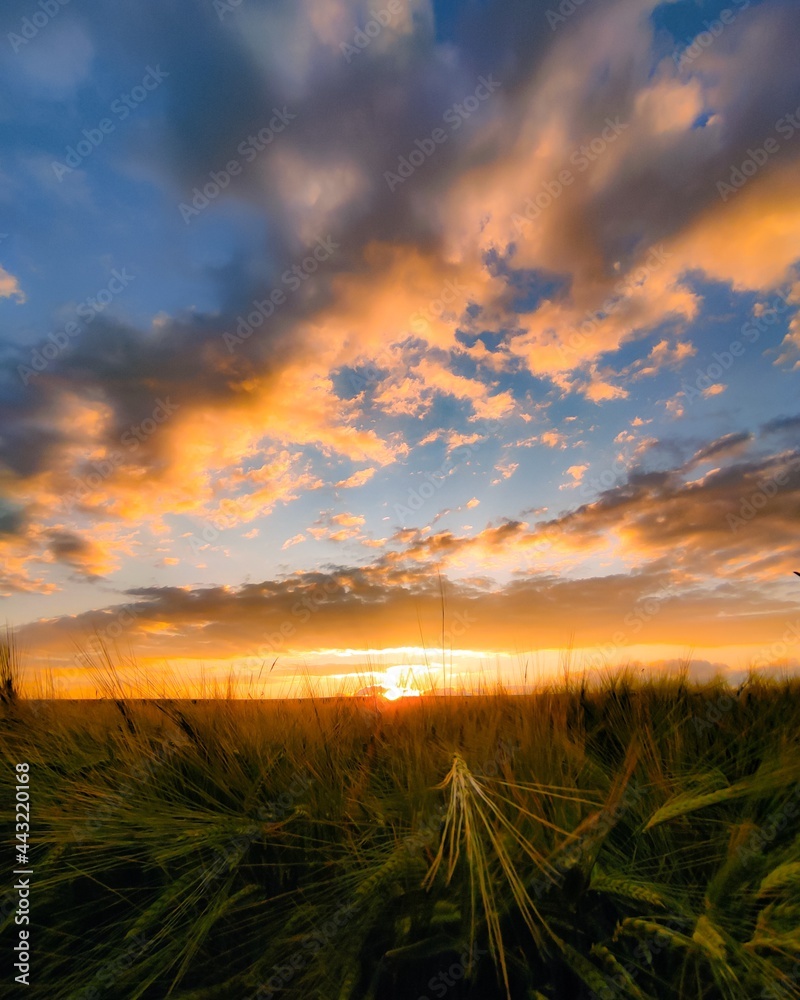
(627, 841)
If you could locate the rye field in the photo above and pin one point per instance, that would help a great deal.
(629, 840)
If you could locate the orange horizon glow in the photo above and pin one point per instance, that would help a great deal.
(531, 405)
(450, 671)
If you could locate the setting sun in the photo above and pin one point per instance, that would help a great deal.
(396, 682)
(393, 694)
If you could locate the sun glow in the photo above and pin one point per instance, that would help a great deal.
(395, 683)
(394, 693)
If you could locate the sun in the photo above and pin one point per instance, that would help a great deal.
(395, 693)
(398, 682)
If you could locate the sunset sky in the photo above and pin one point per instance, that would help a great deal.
(315, 311)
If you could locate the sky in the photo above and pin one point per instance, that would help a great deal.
(429, 343)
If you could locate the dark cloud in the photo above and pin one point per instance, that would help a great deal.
(325, 610)
(740, 519)
(727, 445)
(73, 550)
(782, 425)
(11, 521)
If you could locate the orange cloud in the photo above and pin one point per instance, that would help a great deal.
(9, 287)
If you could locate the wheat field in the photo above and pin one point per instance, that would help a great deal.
(626, 840)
